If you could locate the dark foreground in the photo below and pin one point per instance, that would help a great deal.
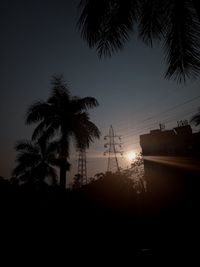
(103, 221)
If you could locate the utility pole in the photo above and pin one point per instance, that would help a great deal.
(162, 126)
(82, 167)
(112, 144)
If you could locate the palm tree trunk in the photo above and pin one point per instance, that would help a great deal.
(64, 142)
(62, 176)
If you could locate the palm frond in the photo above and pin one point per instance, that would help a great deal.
(34, 161)
(197, 8)
(92, 130)
(107, 24)
(46, 129)
(24, 176)
(18, 170)
(26, 145)
(39, 130)
(38, 111)
(28, 159)
(80, 104)
(60, 91)
(52, 174)
(183, 42)
(85, 132)
(53, 146)
(152, 21)
(89, 22)
(58, 82)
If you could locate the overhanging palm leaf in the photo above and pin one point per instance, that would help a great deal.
(182, 42)
(197, 8)
(107, 24)
(152, 22)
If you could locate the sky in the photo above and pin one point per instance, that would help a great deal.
(40, 39)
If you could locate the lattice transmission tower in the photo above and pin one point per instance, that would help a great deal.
(114, 148)
(82, 167)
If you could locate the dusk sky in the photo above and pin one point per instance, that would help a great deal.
(40, 39)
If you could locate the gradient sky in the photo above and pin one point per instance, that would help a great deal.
(40, 39)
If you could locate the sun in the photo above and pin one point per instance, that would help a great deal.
(131, 155)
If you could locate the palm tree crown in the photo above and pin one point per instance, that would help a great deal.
(107, 25)
(63, 117)
(35, 162)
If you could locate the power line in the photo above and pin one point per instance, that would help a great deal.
(138, 132)
(154, 101)
(168, 110)
(173, 108)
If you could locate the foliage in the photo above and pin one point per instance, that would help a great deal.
(61, 118)
(107, 25)
(35, 162)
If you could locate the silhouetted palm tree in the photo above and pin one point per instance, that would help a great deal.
(107, 25)
(196, 118)
(64, 116)
(34, 162)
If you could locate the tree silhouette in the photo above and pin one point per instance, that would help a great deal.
(64, 116)
(196, 118)
(99, 175)
(77, 181)
(35, 162)
(107, 25)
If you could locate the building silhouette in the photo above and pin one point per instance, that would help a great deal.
(180, 141)
(172, 163)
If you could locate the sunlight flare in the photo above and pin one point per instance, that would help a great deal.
(131, 155)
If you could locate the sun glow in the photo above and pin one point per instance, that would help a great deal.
(131, 155)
